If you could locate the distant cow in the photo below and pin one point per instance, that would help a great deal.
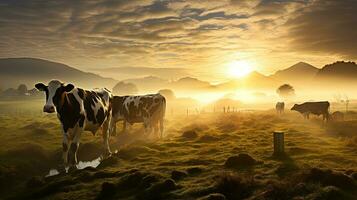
(148, 109)
(316, 108)
(337, 116)
(280, 106)
(77, 110)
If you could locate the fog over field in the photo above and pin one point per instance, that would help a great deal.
(173, 99)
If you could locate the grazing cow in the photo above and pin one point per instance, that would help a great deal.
(148, 109)
(280, 106)
(77, 110)
(337, 116)
(316, 108)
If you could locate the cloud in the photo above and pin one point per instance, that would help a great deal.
(326, 27)
(201, 35)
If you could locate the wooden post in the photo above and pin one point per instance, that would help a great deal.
(278, 142)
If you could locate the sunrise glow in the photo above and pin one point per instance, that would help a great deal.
(239, 68)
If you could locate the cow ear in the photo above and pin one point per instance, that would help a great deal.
(68, 87)
(40, 86)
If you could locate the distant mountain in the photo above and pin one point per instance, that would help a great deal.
(254, 80)
(14, 71)
(148, 83)
(153, 84)
(190, 84)
(298, 73)
(135, 72)
(341, 70)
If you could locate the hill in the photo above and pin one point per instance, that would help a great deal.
(298, 73)
(153, 84)
(340, 70)
(148, 83)
(189, 83)
(135, 72)
(254, 80)
(14, 71)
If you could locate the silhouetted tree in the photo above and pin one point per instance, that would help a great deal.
(22, 89)
(123, 88)
(168, 94)
(285, 91)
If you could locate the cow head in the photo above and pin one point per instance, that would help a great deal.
(295, 107)
(54, 91)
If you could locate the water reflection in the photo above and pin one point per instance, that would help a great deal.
(81, 165)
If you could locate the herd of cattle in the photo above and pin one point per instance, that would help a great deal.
(79, 110)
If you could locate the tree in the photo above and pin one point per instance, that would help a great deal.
(22, 89)
(286, 91)
(168, 94)
(123, 88)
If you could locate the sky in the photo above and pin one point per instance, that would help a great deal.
(204, 36)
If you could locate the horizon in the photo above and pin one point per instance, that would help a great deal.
(96, 70)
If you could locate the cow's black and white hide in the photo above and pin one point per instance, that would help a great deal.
(77, 110)
(147, 109)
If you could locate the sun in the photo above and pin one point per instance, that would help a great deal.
(239, 68)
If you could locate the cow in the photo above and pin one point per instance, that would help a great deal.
(147, 109)
(316, 108)
(280, 106)
(78, 110)
(337, 116)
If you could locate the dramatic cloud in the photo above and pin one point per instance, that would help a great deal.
(326, 26)
(201, 35)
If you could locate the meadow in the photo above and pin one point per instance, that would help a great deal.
(202, 156)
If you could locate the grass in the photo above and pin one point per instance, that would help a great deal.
(142, 168)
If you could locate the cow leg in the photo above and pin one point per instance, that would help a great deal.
(156, 128)
(125, 123)
(146, 126)
(326, 117)
(113, 127)
(161, 128)
(74, 146)
(106, 137)
(65, 147)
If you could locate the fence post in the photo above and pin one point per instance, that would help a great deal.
(278, 143)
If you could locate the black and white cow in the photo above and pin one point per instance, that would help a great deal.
(77, 110)
(147, 109)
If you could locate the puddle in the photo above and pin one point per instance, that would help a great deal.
(81, 165)
(52, 172)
